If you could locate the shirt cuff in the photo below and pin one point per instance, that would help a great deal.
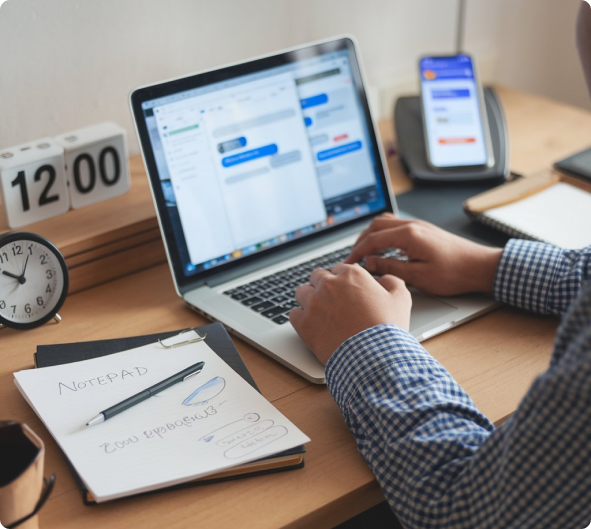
(526, 274)
(367, 352)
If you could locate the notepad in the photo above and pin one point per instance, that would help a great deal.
(210, 423)
(543, 208)
(559, 215)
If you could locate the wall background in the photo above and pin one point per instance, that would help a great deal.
(70, 63)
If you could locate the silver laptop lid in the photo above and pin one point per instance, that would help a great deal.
(255, 157)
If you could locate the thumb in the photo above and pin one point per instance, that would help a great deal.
(387, 265)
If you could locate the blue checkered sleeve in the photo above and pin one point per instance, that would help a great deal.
(439, 461)
(540, 277)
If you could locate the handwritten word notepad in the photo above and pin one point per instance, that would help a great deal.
(211, 422)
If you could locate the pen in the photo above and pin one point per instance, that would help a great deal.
(146, 394)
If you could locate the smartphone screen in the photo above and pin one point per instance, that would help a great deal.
(455, 133)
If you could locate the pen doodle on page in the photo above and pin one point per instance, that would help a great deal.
(240, 440)
(203, 394)
(245, 433)
(246, 446)
(236, 425)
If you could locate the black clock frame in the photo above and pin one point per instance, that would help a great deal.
(7, 238)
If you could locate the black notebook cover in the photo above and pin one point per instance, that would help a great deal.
(216, 337)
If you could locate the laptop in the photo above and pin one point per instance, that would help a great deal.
(262, 171)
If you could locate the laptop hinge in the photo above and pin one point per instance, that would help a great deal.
(288, 253)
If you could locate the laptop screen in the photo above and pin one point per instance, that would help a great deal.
(263, 155)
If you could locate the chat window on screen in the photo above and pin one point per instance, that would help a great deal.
(241, 166)
(334, 123)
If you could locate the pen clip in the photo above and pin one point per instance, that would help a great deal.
(198, 338)
(193, 373)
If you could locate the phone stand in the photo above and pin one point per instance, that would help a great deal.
(411, 144)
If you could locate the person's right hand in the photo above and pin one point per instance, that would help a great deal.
(439, 262)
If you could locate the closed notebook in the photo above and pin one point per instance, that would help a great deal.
(218, 339)
(547, 209)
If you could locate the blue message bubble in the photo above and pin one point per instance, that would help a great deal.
(450, 94)
(247, 156)
(338, 151)
(313, 101)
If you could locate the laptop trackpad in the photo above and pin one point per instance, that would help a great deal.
(427, 309)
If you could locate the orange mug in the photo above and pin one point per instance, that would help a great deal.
(23, 490)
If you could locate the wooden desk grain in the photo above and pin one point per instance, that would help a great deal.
(495, 358)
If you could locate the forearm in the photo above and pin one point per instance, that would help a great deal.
(441, 463)
(540, 277)
(414, 425)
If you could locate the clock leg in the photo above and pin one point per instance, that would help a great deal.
(57, 318)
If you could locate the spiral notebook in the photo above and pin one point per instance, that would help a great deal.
(547, 208)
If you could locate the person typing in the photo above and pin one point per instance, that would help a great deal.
(439, 461)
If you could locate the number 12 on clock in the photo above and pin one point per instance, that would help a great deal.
(33, 182)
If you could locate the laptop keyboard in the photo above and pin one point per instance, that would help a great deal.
(273, 296)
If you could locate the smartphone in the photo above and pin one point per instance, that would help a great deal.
(456, 128)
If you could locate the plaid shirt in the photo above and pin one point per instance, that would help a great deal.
(439, 461)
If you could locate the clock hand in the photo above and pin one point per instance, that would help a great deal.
(20, 279)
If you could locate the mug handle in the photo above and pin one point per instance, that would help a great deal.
(49, 483)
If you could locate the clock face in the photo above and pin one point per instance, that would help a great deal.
(33, 280)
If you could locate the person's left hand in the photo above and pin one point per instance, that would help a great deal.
(337, 305)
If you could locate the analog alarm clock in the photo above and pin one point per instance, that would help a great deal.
(33, 280)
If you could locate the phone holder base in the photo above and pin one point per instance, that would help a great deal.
(408, 122)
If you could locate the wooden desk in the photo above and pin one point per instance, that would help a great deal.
(494, 358)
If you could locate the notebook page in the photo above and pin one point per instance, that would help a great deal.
(559, 215)
(210, 422)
